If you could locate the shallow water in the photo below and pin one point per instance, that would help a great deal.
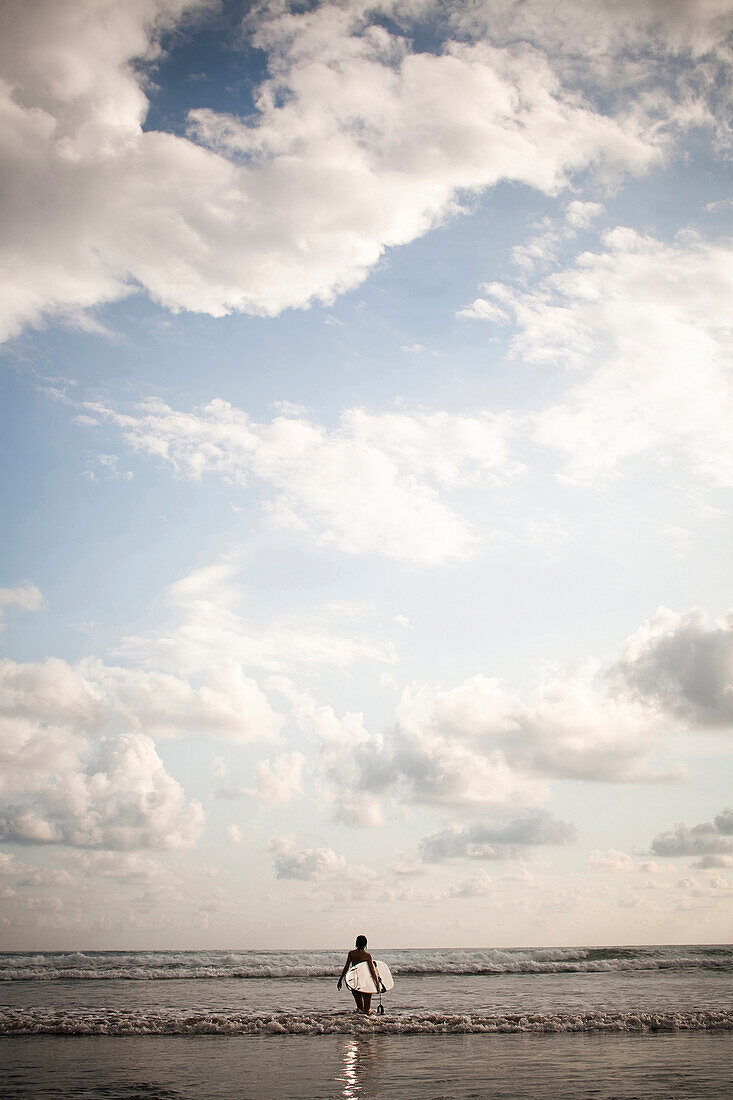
(642, 991)
(685, 1065)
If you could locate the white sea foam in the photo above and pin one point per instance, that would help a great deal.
(151, 965)
(117, 1023)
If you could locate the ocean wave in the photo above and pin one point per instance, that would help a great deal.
(165, 966)
(192, 965)
(113, 1023)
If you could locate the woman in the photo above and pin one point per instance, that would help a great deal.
(359, 955)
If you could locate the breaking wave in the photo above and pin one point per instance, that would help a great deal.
(114, 1023)
(167, 965)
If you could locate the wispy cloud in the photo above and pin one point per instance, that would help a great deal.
(379, 483)
(209, 628)
(645, 325)
(25, 596)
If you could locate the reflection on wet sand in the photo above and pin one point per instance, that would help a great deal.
(359, 1070)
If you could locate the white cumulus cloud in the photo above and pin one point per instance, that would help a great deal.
(124, 800)
(710, 842)
(93, 698)
(684, 665)
(79, 765)
(279, 780)
(356, 144)
(477, 748)
(293, 860)
(613, 860)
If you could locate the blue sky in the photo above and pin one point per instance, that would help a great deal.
(366, 389)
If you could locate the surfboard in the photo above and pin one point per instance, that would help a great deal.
(360, 978)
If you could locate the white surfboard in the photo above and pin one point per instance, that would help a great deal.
(360, 978)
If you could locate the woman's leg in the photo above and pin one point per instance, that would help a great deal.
(367, 1003)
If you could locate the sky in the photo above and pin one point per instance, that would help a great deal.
(366, 389)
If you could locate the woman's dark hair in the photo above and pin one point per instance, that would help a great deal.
(361, 942)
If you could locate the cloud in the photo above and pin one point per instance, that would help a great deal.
(648, 48)
(76, 746)
(24, 595)
(295, 862)
(613, 860)
(572, 727)
(25, 875)
(234, 835)
(356, 144)
(212, 630)
(410, 762)
(121, 867)
(407, 867)
(91, 698)
(73, 105)
(684, 666)
(124, 800)
(568, 727)
(107, 470)
(280, 780)
(439, 757)
(8, 864)
(644, 323)
(695, 894)
(31, 751)
(580, 214)
(353, 767)
(713, 862)
(477, 885)
(540, 251)
(711, 842)
(482, 309)
(477, 748)
(484, 841)
(373, 485)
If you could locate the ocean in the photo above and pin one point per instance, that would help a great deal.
(188, 1025)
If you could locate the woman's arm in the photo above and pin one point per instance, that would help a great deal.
(347, 964)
